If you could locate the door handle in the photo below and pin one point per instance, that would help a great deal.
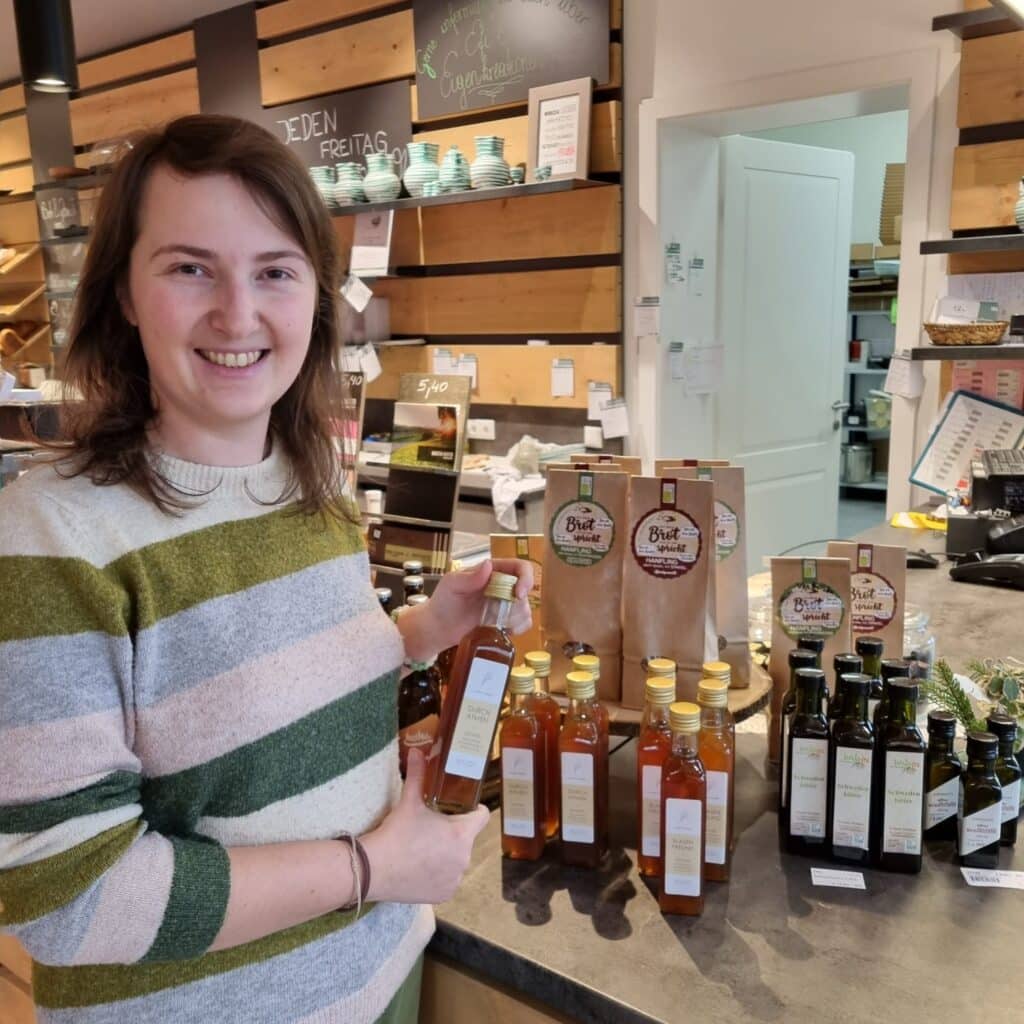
(840, 406)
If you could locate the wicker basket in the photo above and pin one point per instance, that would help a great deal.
(987, 333)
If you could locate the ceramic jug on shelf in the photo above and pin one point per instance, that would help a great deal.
(381, 183)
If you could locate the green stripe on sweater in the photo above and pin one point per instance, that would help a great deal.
(33, 890)
(65, 987)
(199, 899)
(115, 790)
(306, 754)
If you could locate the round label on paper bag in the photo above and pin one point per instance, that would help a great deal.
(727, 531)
(666, 543)
(810, 607)
(872, 602)
(582, 533)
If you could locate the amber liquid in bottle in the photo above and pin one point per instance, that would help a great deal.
(547, 712)
(683, 820)
(653, 748)
(600, 713)
(717, 752)
(521, 742)
(584, 797)
(419, 711)
(470, 712)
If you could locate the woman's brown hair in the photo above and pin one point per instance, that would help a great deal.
(107, 431)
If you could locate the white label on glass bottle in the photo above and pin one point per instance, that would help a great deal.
(904, 794)
(682, 847)
(980, 829)
(851, 809)
(717, 817)
(517, 799)
(577, 798)
(650, 820)
(808, 788)
(1011, 801)
(942, 803)
(478, 715)
(787, 721)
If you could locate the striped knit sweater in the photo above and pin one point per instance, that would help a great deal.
(171, 686)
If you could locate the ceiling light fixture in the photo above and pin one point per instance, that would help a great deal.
(46, 44)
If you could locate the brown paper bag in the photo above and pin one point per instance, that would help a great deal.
(530, 548)
(585, 513)
(809, 596)
(661, 465)
(631, 464)
(732, 613)
(878, 591)
(668, 600)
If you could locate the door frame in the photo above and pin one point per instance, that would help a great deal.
(816, 94)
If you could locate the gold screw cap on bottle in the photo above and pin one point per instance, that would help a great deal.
(660, 690)
(588, 663)
(713, 693)
(717, 670)
(684, 717)
(540, 662)
(521, 679)
(663, 667)
(415, 599)
(502, 586)
(580, 686)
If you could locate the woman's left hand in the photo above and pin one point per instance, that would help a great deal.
(457, 604)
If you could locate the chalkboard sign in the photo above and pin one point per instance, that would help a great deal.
(345, 126)
(482, 53)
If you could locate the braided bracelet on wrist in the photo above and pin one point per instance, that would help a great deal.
(360, 872)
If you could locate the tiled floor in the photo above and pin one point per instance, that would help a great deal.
(857, 516)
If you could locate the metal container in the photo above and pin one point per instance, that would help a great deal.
(857, 464)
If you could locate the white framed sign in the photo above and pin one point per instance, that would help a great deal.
(559, 126)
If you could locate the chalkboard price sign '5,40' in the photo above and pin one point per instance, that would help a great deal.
(473, 54)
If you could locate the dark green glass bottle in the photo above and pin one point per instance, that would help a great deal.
(849, 788)
(900, 803)
(842, 664)
(891, 668)
(942, 778)
(807, 781)
(798, 658)
(871, 649)
(815, 644)
(1008, 772)
(981, 804)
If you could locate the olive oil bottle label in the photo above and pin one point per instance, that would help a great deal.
(942, 803)
(808, 788)
(517, 794)
(478, 714)
(1011, 801)
(577, 798)
(980, 829)
(787, 722)
(904, 795)
(851, 809)
(717, 817)
(651, 811)
(682, 847)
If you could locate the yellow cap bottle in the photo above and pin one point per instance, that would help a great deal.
(718, 670)
(713, 693)
(580, 686)
(663, 667)
(540, 662)
(588, 663)
(660, 690)
(521, 680)
(684, 717)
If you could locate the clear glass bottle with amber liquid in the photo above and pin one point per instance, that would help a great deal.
(871, 650)
(653, 748)
(807, 785)
(1004, 728)
(592, 663)
(900, 801)
(521, 745)
(469, 716)
(683, 816)
(419, 710)
(722, 671)
(842, 664)
(546, 710)
(850, 763)
(942, 778)
(584, 797)
(798, 659)
(981, 799)
(716, 748)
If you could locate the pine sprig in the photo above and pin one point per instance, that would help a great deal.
(945, 692)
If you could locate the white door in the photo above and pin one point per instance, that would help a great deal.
(785, 256)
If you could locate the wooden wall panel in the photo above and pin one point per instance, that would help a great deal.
(282, 19)
(12, 98)
(17, 179)
(14, 144)
(378, 50)
(985, 263)
(144, 59)
(509, 374)
(986, 180)
(18, 221)
(991, 77)
(605, 137)
(118, 111)
(976, 5)
(540, 302)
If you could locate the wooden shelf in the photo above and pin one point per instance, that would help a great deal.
(879, 482)
(934, 353)
(16, 197)
(989, 21)
(29, 342)
(79, 184)
(18, 258)
(11, 311)
(1009, 242)
(477, 195)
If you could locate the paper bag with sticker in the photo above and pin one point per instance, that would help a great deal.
(810, 597)
(530, 548)
(668, 597)
(631, 464)
(878, 590)
(585, 513)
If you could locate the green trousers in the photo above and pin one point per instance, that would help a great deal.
(404, 1008)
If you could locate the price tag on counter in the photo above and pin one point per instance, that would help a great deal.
(837, 879)
(993, 879)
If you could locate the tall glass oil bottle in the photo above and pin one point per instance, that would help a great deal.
(900, 802)
(942, 778)
(892, 668)
(592, 663)
(521, 743)
(981, 799)
(584, 797)
(842, 664)
(419, 710)
(798, 658)
(1008, 772)
(807, 785)
(653, 748)
(469, 716)
(549, 714)
(716, 747)
(871, 649)
(850, 761)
